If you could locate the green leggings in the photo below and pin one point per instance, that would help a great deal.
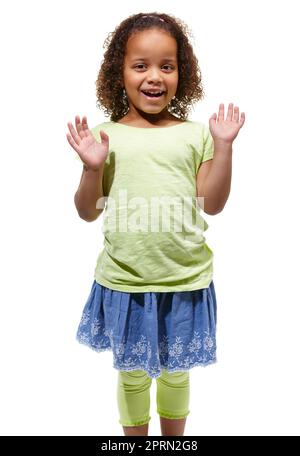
(172, 396)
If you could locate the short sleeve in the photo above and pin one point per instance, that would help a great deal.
(208, 145)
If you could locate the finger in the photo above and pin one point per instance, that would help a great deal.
(213, 117)
(72, 142)
(74, 133)
(221, 112)
(79, 127)
(85, 127)
(236, 114)
(242, 119)
(229, 112)
(104, 137)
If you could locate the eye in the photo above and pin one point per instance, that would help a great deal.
(142, 65)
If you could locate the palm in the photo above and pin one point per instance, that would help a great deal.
(226, 129)
(91, 152)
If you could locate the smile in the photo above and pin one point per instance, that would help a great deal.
(153, 96)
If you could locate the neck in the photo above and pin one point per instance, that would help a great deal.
(142, 118)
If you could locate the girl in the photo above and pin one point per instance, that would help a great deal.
(152, 301)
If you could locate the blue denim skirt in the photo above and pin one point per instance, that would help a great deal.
(151, 331)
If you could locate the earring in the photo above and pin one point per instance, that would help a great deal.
(124, 93)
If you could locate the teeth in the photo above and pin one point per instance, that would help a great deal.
(153, 93)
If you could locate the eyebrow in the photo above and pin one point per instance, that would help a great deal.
(167, 59)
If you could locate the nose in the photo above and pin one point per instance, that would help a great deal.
(154, 75)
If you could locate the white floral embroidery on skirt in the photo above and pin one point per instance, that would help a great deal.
(151, 331)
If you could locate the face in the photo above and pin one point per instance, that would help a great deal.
(150, 65)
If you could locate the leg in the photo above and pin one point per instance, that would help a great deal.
(172, 427)
(136, 430)
(134, 401)
(172, 397)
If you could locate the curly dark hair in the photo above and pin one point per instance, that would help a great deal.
(109, 84)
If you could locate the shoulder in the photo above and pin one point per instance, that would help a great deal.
(105, 126)
(199, 132)
(200, 126)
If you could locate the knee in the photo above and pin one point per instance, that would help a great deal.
(130, 380)
(176, 379)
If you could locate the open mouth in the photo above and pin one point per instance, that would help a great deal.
(153, 95)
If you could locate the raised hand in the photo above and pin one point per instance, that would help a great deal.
(226, 130)
(91, 152)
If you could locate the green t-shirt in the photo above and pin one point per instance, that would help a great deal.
(152, 226)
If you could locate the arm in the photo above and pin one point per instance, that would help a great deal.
(214, 179)
(93, 155)
(214, 176)
(89, 191)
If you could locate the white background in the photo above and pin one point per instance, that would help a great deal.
(51, 53)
